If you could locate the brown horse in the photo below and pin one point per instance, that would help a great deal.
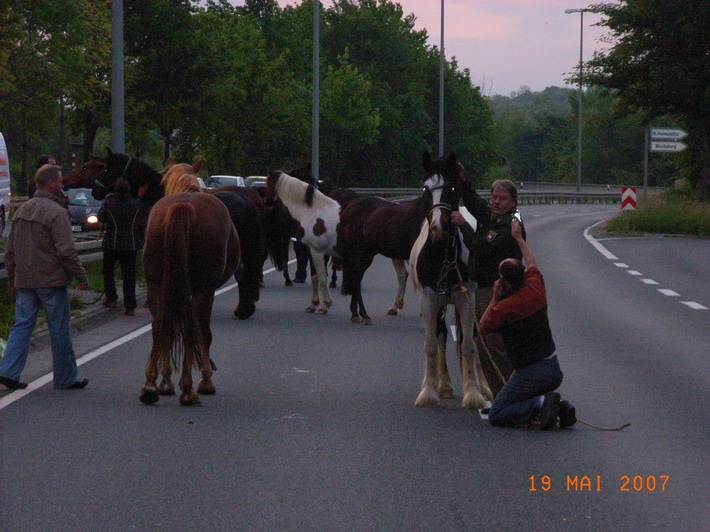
(84, 176)
(191, 249)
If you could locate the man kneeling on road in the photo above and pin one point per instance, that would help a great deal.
(518, 310)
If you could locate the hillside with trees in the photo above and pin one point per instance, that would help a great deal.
(234, 84)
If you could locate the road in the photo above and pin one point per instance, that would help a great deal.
(314, 425)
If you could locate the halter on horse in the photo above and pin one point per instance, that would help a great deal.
(438, 260)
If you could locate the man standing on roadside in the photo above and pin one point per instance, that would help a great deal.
(41, 260)
(518, 310)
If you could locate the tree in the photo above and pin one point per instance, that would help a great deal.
(659, 65)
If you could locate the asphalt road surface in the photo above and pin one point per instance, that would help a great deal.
(314, 425)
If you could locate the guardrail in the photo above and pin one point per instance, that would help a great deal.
(528, 194)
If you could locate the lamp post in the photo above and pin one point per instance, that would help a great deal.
(579, 97)
(442, 61)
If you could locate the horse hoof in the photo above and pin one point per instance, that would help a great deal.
(166, 388)
(244, 313)
(149, 396)
(355, 319)
(322, 310)
(190, 399)
(427, 397)
(366, 321)
(392, 312)
(310, 310)
(206, 387)
(289, 282)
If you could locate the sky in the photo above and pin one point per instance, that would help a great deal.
(508, 44)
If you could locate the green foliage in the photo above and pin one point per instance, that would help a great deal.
(659, 65)
(666, 216)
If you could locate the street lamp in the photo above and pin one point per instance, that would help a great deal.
(579, 97)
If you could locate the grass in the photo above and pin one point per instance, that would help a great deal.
(670, 213)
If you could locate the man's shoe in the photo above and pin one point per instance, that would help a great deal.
(78, 385)
(12, 384)
(299, 280)
(550, 409)
(568, 415)
(110, 304)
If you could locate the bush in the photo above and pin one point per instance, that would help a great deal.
(671, 213)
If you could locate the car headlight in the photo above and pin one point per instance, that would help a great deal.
(92, 219)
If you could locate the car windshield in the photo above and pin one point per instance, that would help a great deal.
(83, 197)
(222, 181)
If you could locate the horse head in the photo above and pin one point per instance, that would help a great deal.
(442, 184)
(132, 169)
(84, 176)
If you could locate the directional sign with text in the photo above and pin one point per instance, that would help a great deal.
(668, 133)
(668, 146)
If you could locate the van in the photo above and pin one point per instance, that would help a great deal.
(5, 194)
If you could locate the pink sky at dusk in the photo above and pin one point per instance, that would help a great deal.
(507, 44)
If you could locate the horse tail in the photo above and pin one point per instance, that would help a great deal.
(177, 332)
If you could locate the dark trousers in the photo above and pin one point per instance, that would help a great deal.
(127, 259)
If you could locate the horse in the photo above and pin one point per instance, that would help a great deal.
(318, 216)
(84, 176)
(191, 249)
(438, 261)
(136, 172)
(371, 226)
(242, 205)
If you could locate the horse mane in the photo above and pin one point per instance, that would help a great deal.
(416, 250)
(180, 177)
(301, 192)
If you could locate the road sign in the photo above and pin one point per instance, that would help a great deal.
(668, 146)
(668, 133)
(628, 198)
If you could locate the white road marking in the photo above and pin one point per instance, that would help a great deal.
(607, 254)
(45, 379)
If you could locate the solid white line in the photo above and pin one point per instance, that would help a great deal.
(45, 379)
(594, 242)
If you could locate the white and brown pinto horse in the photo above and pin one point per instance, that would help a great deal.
(438, 262)
(319, 216)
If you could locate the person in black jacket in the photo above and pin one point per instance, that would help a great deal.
(488, 245)
(125, 219)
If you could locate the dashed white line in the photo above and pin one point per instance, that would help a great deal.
(607, 254)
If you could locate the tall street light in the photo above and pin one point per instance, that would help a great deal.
(579, 97)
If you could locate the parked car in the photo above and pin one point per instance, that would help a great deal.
(83, 209)
(217, 181)
(255, 181)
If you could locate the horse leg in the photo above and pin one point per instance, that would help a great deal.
(149, 391)
(166, 384)
(335, 265)
(365, 263)
(402, 275)
(204, 311)
(475, 387)
(321, 282)
(429, 395)
(284, 249)
(444, 385)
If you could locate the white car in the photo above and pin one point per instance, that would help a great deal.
(217, 181)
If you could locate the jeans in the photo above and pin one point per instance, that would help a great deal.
(518, 402)
(56, 306)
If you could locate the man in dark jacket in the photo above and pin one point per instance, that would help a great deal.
(489, 244)
(518, 310)
(41, 260)
(125, 219)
